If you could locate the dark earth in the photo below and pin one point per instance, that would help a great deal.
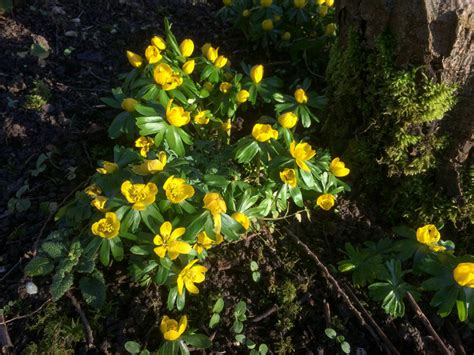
(288, 308)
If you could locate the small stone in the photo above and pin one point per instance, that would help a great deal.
(31, 288)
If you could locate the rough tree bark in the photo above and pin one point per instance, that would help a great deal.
(435, 33)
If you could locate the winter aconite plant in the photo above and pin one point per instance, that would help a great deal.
(187, 181)
(295, 26)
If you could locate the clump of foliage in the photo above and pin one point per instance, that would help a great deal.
(390, 267)
(301, 28)
(38, 97)
(182, 184)
(386, 121)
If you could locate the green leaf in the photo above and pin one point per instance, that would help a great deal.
(169, 348)
(132, 347)
(181, 301)
(141, 249)
(104, 253)
(151, 125)
(231, 229)
(215, 319)
(197, 340)
(297, 197)
(346, 347)
(253, 265)
(172, 295)
(462, 310)
(116, 247)
(330, 333)
(174, 141)
(118, 125)
(218, 306)
(152, 217)
(93, 289)
(53, 249)
(162, 275)
(39, 266)
(60, 285)
(263, 349)
(247, 151)
(146, 110)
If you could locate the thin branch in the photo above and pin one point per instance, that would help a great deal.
(378, 334)
(426, 322)
(265, 314)
(29, 314)
(85, 322)
(5, 340)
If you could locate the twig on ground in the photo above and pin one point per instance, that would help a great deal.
(29, 314)
(85, 322)
(426, 322)
(5, 340)
(327, 313)
(378, 334)
(265, 314)
(11, 269)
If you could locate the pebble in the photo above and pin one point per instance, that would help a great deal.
(31, 288)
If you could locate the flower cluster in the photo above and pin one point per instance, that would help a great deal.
(282, 24)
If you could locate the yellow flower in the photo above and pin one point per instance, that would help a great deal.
(256, 73)
(203, 242)
(177, 190)
(267, 25)
(326, 201)
(299, 4)
(166, 77)
(264, 132)
(107, 168)
(205, 47)
(93, 191)
(201, 118)
(338, 168)
(330, 29)
(302, 152)
(188, 67)
(166, 242)
(151, 166)
(266, 3)
(177, 116)
(189, 276)
(107, 227)
(323, 10)
(134, 59)
(287, 120)
(300, 96)
(428, 234)
(227, 2)
(220, 62)
(225, 87)
(242, 96)
(216, 205)
(246, 13)
(145, 144)
(208, 86)
(158, 42)
(128, 104)
(288, 176)
(99, 203)
(286, 36)
(320, 2)
(463, 274)
(140, 195)
(186, 47)
(171, 329)
(437, 248)
(226, 125)
(330, 3)
(242, 219)
(212, 53)
(153, 54)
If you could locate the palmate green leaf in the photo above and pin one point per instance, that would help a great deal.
(365, 265)
(196, 224)
(161, 275)
(297, 197)
(152, 217)
(147, 111)
(119, 125)
(197, 340)
(151, 125)
(169, 348)
(231, 229)
(172, 295)
(130, 221)
(111, 102)
(184, 136)
(246, 150)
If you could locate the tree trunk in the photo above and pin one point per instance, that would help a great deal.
(439, 35)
